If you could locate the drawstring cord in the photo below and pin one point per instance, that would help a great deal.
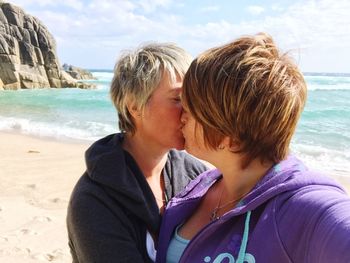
(243, 247)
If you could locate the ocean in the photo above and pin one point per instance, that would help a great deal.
(322, 139)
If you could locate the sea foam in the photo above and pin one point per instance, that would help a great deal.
(322, 137)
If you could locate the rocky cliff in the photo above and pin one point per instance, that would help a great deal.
(77, 73)
(28, 57)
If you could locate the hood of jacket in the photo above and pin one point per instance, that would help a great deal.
(287, 176)
(290, 174)
(116, 170)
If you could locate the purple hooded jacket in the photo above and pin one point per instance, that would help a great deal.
(291, 215)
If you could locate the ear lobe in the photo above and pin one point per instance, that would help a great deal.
(230, 144)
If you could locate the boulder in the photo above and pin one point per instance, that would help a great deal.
(28, 54)
(77, 73)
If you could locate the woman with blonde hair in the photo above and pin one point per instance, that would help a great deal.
(242, 102)
(115, 209)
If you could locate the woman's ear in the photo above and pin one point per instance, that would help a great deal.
(134, 111)
(230, 144)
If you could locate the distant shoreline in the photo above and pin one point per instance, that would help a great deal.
(326, 74)
(337, 74)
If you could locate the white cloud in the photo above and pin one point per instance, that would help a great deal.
(255, 10)
(151, 5)
(212, 8)
(310, 29)
(313, 29)
(75, 4)
(101, 26)
(277, 7)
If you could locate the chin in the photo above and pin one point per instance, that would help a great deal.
(179, 148)
(178, 144)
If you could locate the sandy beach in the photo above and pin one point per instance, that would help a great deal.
(36, 179)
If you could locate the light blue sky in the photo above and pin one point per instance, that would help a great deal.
(91, 33)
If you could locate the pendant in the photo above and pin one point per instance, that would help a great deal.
(213, 215)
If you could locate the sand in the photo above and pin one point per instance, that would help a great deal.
(36, 179)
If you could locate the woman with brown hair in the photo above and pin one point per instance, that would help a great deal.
(242, 102)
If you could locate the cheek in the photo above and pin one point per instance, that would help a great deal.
(177, 109)
(174, 113)
(163, 112)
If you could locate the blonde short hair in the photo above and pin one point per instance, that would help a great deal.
(138, 73)
(249, 91)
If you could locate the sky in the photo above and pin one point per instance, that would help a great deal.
(93, 33)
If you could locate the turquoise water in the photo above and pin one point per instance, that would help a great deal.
(60, 113)
(322, 139)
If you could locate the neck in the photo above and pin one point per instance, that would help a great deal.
(150, 158)
(238, 182)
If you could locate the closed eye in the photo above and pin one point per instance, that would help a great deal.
(177, 99)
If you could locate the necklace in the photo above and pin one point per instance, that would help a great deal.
(214, 213)
(164, 198)
(160, 199)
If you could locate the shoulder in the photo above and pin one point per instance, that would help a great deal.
(310, 200)
(85, 190)
(315, 196)
(88, 200)
(95, 219)
(104, 147)
(307, 191)
(312, 217)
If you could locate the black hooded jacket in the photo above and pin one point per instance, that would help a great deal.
(112, 205)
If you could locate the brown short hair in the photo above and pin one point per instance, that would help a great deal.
(138, 73)
(249, 91)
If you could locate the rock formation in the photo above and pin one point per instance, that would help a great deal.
(77, 73)
(28, 57)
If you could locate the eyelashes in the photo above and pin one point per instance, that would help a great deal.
(177, 99)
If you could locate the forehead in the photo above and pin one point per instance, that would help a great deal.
(168, 85)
